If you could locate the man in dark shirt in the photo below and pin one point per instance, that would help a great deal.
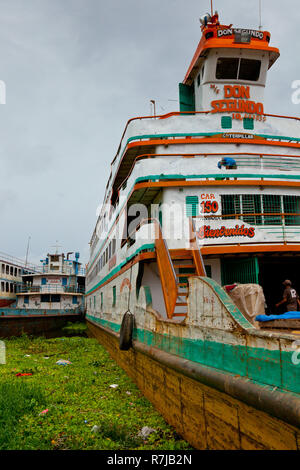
(290, 297)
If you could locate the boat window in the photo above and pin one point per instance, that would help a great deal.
(199, 79)
(263, 209)
(227, 68)
(249, 69)
(238, 69)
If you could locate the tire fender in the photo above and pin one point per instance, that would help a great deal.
(126, 330)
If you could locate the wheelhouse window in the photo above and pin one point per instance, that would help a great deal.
(249, 70)
(229, 68)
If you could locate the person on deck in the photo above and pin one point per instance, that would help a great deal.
(290, 298)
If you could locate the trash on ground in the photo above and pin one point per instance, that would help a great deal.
(44, 412)
(63, 362)
(114, 385)
(96, 428)
(146, 431)
(22, 375)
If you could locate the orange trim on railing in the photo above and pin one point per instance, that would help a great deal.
(225, 182)
(235, 249)
(211, 140)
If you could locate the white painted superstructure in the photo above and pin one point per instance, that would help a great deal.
(174, 168)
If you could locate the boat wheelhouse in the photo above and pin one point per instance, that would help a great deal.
(198, 199)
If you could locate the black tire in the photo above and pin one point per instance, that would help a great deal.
(126, 330)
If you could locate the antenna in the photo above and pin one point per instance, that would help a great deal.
(56, 247)
(260, 25)
(211, 7)
(154, 110)
(27, 251)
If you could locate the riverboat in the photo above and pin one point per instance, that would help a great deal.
(198, 199)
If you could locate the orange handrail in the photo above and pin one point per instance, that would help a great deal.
(165, 266)
(196, 252)
(166, 271)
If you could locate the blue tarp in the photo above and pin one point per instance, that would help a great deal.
(283, 316)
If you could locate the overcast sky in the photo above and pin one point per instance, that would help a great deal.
(75, 72)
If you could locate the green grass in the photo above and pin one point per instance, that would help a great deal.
(78, 396)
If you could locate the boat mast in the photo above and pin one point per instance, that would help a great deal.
(260, 25)
(27, 251)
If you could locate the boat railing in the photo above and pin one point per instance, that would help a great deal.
(61, 270)
(278, 227)
(17, 262)
(59, 289)
(259, 161)
(255, 218)
(183, 114)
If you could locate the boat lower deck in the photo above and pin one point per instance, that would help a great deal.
(205, 416)
(14, 322)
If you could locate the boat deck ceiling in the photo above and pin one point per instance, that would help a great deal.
(144, 195)
(127, 161)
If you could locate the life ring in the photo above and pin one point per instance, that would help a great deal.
(125, 341)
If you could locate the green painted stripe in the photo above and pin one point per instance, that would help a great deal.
(215, 176)
(149, 247)
(263, 366)
(207, 134)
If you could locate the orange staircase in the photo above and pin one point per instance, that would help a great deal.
(184, 268)
(175, 268)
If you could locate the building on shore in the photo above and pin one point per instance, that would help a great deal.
(11, 271)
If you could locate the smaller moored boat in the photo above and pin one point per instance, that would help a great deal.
(47, 297)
